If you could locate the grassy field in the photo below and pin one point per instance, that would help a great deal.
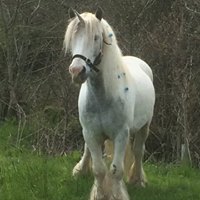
(27, 175)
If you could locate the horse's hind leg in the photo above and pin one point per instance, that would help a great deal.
(136, 173)
(83, 165)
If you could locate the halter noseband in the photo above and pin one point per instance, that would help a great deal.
(93, 65)
(97, 60)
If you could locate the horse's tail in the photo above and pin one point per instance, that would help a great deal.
(128, 160)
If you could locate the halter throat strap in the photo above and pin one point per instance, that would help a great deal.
(93, 65)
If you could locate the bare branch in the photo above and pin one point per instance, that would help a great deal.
(36, 8)
(191, 10)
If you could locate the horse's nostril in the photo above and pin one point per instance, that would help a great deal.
(83, 70)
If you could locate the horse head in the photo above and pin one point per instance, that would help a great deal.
(84, 37)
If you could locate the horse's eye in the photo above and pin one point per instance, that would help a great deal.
(96, 37)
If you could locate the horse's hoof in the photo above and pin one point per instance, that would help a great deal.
(138, 183)
(77, 170)
(97, 194)
(137, 179)
(119, 194)
(119, 197)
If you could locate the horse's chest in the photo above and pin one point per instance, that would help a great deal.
(104, 115)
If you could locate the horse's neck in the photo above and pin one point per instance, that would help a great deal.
(104, 85)
(112, 69)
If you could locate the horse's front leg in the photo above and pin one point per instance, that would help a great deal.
(115, 176)
(98, 166)
(83, 165)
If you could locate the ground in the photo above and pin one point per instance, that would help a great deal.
(31, 175)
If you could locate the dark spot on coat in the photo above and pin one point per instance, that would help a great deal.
(114, 169)
(126, 89)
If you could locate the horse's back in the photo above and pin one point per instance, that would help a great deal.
(132, 62)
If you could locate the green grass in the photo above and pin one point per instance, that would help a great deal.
(26, 175)
(169, 182)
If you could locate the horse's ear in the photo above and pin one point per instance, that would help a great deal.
(71, 13)
(99, 13)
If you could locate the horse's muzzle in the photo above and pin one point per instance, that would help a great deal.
(79, 77)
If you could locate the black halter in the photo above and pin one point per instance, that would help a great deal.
(93, 65)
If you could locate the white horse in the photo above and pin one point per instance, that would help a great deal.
(116, 101)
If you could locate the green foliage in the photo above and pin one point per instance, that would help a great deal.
(53, 114)
(14, 134)
(46, 131)
(8, 133)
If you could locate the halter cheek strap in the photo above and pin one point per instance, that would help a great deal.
(88, 61)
